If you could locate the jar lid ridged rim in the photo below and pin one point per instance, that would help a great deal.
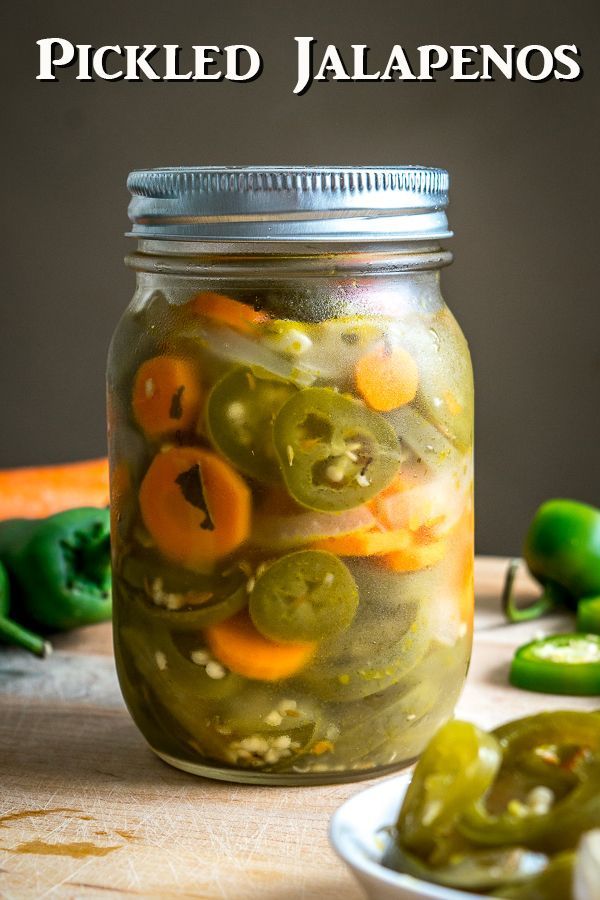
(289, 203)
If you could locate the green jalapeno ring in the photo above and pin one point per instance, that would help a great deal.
(181, 600)
(240, 411)
(559, 664)
(183, 687)
(304, 596)
(387, 720)
(334, 452)
(350, 678)
(257, 731)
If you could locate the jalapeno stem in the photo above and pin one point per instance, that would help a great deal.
(13, 633)
(544, 603)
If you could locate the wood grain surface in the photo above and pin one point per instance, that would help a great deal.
(86, 810)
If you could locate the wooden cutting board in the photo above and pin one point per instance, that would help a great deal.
(86, 810)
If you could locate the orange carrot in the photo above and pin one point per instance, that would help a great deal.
(226, 311)
(239, 646)
(387, 378)
(365, 543)
(166, 396)
(464, 548)
(415, 556)
(195, 506)
(37, 491)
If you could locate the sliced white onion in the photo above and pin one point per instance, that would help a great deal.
(276, 532)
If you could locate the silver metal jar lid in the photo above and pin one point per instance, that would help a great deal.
(321, 203)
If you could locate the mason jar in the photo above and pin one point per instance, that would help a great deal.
(290, 408)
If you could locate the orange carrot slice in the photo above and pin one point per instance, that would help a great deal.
(33, 492)
(225, 311)
(387, 379)
(365, 543)
(464, 549)
(241, 648)
(415, 556)
(166, 396)
(195, 506)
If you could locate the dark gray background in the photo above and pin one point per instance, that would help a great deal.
(523, 159)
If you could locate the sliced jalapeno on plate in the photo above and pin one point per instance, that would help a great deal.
(457, 767)
(564, 739)
(304, 596)
(334, 452)
(240, 412)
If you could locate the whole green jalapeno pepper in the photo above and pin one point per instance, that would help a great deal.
(562, 552)
(12, 632)
(59, 567)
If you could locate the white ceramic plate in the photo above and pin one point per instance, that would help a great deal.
(357, 835)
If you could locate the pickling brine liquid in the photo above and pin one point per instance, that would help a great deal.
(292, 522)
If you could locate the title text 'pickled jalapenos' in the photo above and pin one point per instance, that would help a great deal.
(291, 412)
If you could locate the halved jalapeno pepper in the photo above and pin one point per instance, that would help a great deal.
(304, 596)
(240, 412)
(334, 452)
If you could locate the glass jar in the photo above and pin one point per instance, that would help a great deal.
(290, 427)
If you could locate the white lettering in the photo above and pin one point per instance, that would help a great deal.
(48, 62)
(203, 59)
(398, 62)
(304, 67)
(137, 61)
(432, 56)
(573, 68)
(505, 64)
(233, 56)
(98, 63)
(523, 59)
(332, 62)
(172, 72)
(460, 60)
(360, 64)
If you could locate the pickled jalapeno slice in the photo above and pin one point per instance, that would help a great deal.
(304, 596)
(457, 767)
(240, 411)
(352, 675)
(257, 731)
(182, 600)
(334, 452)
(567, 746)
